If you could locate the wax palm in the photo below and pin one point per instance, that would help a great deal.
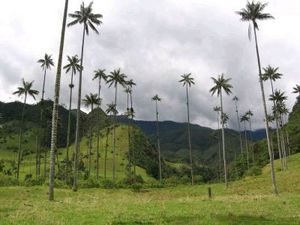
(217, 109)
(26, 90)
(46, 64)
(252, 13)
(236, 99)
(130, 84)
(296, 89)
(89, 20)
(55, 105)
(222, 84)
(100, 75)
(249, 114)
(73, 66)
(244, 119)
(157, 99)
(115, 78)
(224, 118)
(187, 81)
(89, 101)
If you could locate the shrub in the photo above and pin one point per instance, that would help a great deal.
(254, 171)
(8, 180)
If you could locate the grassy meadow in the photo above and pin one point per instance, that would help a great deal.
(248, 201)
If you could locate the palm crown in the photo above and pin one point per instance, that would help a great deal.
(26, 89)
(221, 83)
(253, 12)
(217, 108)
(156, 98)
(73, 64)
(116, 77)
(100, 74)
(91, 100)
(278, 96)
(87, 17)
(187, 79)
(271, 73)
(46, 62)
(111, 108)
(296, 89)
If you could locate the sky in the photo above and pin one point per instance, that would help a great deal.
(154, 42)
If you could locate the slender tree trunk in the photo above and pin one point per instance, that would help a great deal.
(189, 134)
(90, 146)
(114, 135)
(158, 143)
(21, 138)
(98, 132)
(128, 133)
(105, 154)
(55, 107)
(219, 143)
(275, 190)
(131, 134)
(246, 145)
(239, 125)
(223, 143)
(77, 134)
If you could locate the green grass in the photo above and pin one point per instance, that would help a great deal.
(249, 201)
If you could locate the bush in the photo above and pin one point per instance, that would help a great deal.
(133, 179)
(8, 180)
(29, 181)
(108, 184)
(254, 171)
(89, 183)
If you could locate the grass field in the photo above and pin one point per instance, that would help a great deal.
(249, 201)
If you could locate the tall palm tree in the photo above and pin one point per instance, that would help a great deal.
(277, 98)
(297, 91)
(249, 114)
(25, 89)
(235, 99)
(245, 119)
(46, 63)
(187, 81)
(222, 84)
(112, 110)
(115, 78)
(157, 99)
(55, 105)
(100, 75)
(89, 101)
(272, 74)
(130, 83)
(217, 109)
(73, 66)
(252, 13)
(88, 19)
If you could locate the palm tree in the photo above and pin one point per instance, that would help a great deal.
(245, 119)
(86, 17)
(73, 66)
(252, 13)
(218, 109)
(249, 114)
(46, 63)
(91, 100)
(235, 99)
(272, 74)
(100, 75)
(130, 85)
(111, 109)
(25, 89)
(187, 81)
(224, 119)
(278, 97)
(115, 78)
(222, 83)
(297, 91)
(157, 99)
(55, 105)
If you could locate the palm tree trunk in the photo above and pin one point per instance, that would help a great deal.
(223, 143)
(105, 154)
(90, 145)
(158, 143)
(98, 132)
(219, 143)
(246, 145)
(239, 126)
(128, 134)
(77, 135)
(55, 106)
(21, 138)
(189, 134)
(44, 81)
(270, 151)
(114, 135)
(131, 133)
(69, 116)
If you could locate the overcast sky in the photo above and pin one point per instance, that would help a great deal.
(154, 42)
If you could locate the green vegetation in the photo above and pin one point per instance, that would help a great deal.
(248, 201)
